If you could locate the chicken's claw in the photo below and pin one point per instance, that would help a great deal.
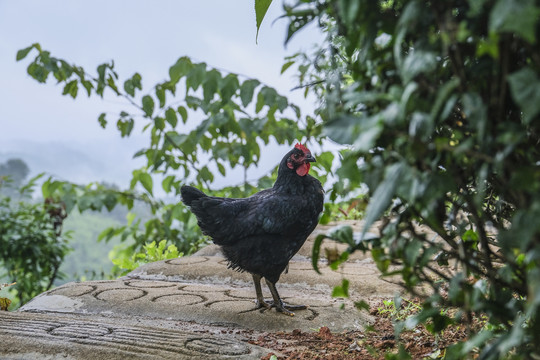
(262, 304)
(283, 308)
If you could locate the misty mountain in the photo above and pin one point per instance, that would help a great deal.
(80, 163)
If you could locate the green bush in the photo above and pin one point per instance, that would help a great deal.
(439, 103)
(125, 260)
(32, 245)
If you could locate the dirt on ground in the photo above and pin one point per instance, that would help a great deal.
(373, 343)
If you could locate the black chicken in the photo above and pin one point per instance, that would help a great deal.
(261, 233)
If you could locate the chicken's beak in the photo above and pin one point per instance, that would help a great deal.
(310, 158)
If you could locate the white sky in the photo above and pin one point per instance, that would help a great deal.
(143, 36)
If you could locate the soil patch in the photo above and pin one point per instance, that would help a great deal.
(374, 343)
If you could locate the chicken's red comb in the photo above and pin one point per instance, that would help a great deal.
(302, 147)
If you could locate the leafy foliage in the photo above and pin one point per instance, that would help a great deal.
(438, 105)
(32, 246)
(126, 261)
(199, 121)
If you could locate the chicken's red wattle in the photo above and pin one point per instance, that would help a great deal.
(303, 169)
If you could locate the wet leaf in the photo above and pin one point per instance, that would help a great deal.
(261, 7)
(525, 90)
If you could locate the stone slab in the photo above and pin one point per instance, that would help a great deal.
(27, 335)
(364, 278)
(201, 289)
(209, 304)
(144, 314)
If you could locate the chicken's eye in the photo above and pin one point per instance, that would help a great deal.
(296, 156)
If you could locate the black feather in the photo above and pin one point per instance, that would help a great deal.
(261, 233)
(189, 194)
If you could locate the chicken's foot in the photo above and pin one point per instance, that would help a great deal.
(276, 302)
(279, 304)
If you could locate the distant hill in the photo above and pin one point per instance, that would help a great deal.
(108, 161)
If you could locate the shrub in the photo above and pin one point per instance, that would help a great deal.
(439, 104)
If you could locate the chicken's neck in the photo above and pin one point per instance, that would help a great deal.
(289, 182)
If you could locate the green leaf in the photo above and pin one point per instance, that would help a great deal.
(515, 16)
(342, 233)
(71, 88)
(270, 96)
(146, 180)
(160, 94)
(136, 80)
(261, 7)
(167, 182)
(88, 86)
(128, 87)
(342, 129)
(130, 217)
(30, 184)
(183, 113)
(21, 54)
(112, 85)
(106, 234)
(412, 251)
(247, 89)
(170, 116)
(260, 102)
(210, 85)
(418, 62)
(176, 139)
(102, 121)
(361, 131)
(383, 195)
(221, 169)
(297, 22)
(159, 123)
(134, 83)
(196, 76)
(148, 105)
(362, 305)
(206, 175)
(443, 94)
(287, 65)
(325, 160)
(180, 69)
(228, 87)
(125, 126)
(341, 291)
(267, 96)
(525, 90)
(38, 72)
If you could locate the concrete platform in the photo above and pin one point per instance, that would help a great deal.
(159, 309)
(59, 336)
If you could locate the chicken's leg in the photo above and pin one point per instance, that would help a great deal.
(261, 303)
(280, 305)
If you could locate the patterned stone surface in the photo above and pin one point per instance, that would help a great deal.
(204, 303)
(138, 316)
(54, 336)
(363, 275)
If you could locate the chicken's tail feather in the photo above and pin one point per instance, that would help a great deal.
(189, 194)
